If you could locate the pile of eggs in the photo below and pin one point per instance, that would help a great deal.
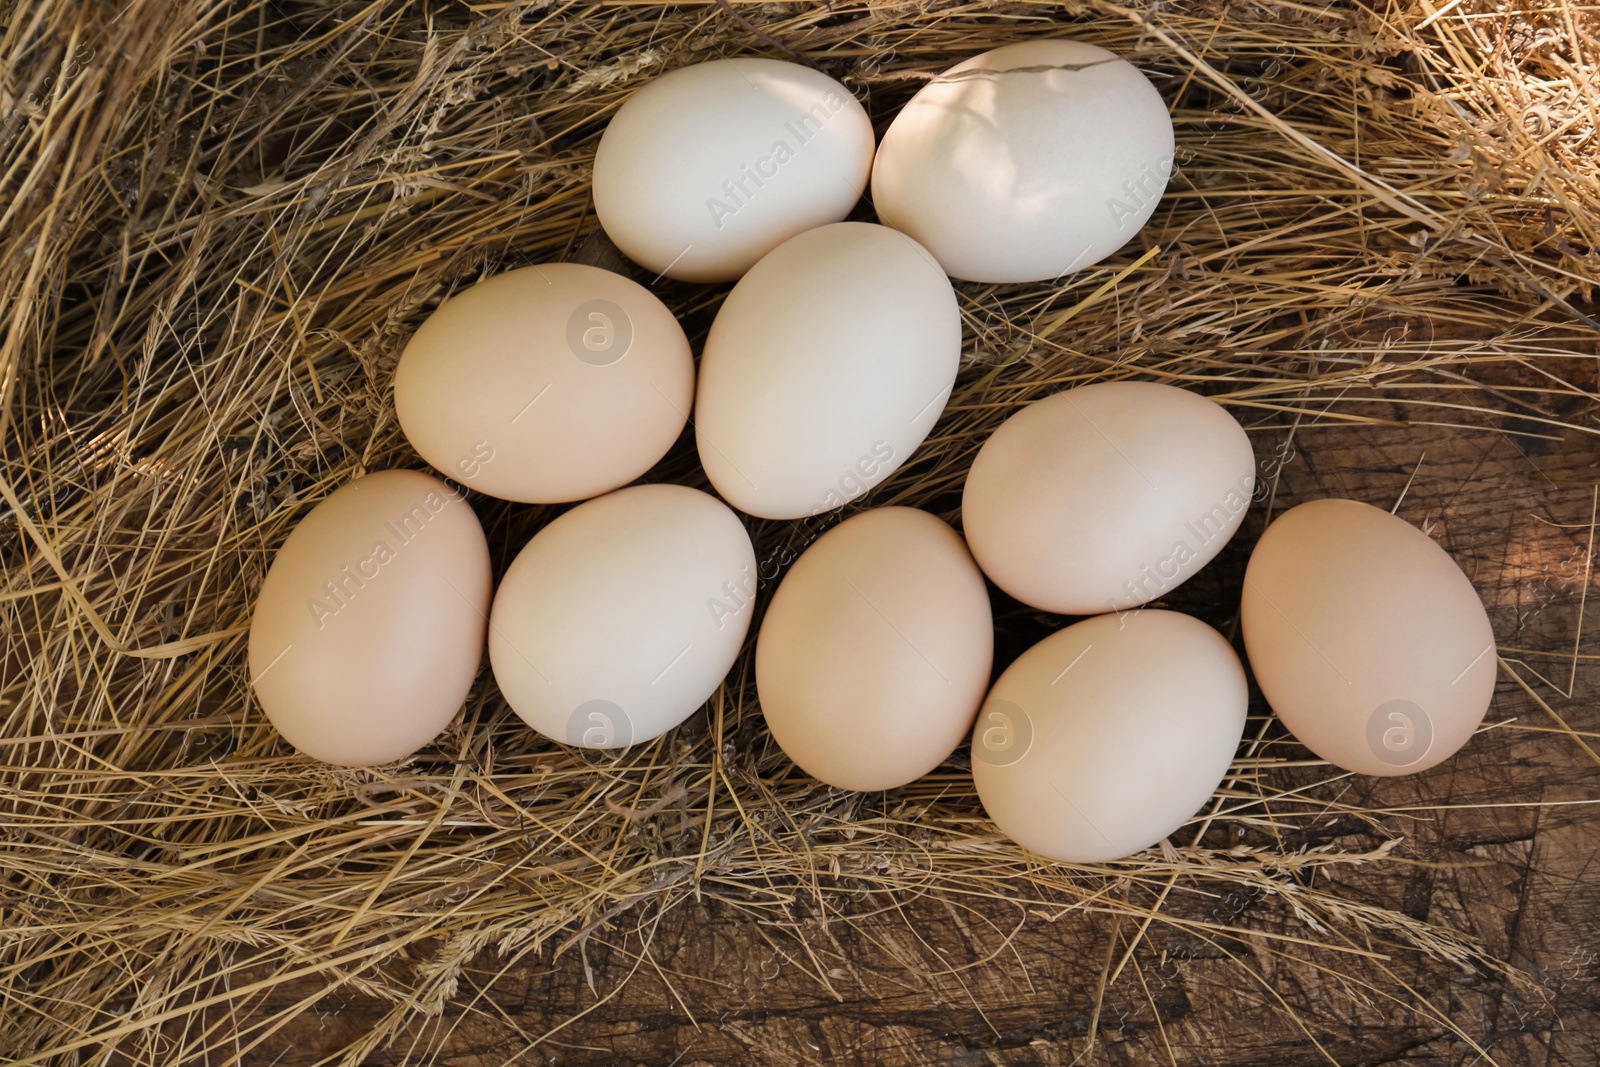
(825, 368)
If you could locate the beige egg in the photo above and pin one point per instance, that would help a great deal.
(1108, 735)
(1367, 640)
(619, 618)
(546, 384)
(1106, 496)
(875, 651)
(369, 627)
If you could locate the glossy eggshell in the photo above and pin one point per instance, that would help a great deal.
(619, 618)
(1108, 735)
(1366, 639)
(824, 369)
(875, 651)
(546, 384)
(1106, 496)
(1026, 162)
(707, 168)
(369, 627)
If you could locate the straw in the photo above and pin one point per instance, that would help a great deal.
(220, 222)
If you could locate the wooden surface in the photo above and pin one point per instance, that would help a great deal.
(1495, 848)
(1499, 845)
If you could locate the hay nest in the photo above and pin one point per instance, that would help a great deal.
(219, 223)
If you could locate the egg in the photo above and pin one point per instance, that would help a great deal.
(1106, 496)
(619, 618)
(875, 651)
(546, 384)
(1368, 641)
(709, 167)
(825, 367)
(1108, 735)
(369, 626)
(1026, 162)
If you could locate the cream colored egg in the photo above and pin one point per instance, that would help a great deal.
(369, 627)
(1026, 162)
(707, 168)
(1367, 640)
(1106, 496)
(825, 368)
(1108, 735)
(875, 651)
(546, 384)
(619, 618)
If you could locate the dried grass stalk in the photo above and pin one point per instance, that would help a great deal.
(219, 223)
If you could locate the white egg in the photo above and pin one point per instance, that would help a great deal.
(825, 368)
(619, 618)
(1026, 162)
(1107, 736)
(707, 168)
